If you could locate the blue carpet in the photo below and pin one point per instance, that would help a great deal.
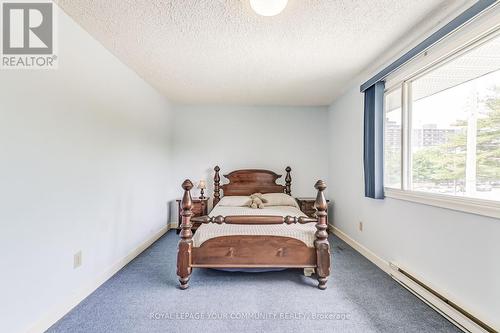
(143, 297)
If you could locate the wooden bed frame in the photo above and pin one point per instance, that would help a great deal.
(253, 251)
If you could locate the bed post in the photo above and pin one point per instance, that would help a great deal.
(288, 181)
(216, 186)
(321, 242)
(186, 242)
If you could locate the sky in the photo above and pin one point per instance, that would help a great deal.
(446, 107)
(449, 91)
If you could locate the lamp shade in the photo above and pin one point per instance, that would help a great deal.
(202, 184)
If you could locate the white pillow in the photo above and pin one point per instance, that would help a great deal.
(279, 199)
(235, 201)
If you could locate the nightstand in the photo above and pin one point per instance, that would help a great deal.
(307, 206)
(200, 208)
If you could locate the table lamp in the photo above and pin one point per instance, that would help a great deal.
(202, 185)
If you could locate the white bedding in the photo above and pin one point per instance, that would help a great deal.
(302, 232)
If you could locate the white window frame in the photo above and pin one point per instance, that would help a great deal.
(480, 30)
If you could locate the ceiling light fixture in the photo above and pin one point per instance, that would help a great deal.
(268, 7)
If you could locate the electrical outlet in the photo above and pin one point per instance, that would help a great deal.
(360, 226)
(77, 259)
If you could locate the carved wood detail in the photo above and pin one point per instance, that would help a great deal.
(321, 242)
(247, 182)
(184, 251)
(253, 251)
(256, 219)
(216, 186)
(288, 181)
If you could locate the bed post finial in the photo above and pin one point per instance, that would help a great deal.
(321, 243)
(288, 181)
(216, 186)
(186, 242)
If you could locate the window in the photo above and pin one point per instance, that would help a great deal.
(392, 139)
(442, 126)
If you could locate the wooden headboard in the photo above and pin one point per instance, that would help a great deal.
(247, 182)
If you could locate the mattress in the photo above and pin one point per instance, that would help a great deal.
(302, 232)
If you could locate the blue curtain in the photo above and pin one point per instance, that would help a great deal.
(374, 141)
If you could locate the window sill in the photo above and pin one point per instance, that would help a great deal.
(469, 205)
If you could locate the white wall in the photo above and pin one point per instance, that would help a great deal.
(84, 165)
(455, 252)
(251, 137)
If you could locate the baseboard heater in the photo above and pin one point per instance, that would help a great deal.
(455, 313)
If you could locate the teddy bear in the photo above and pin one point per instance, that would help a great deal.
(258, 200)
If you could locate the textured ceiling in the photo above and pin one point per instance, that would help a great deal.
(221, 52)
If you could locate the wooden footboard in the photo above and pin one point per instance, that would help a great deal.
(253, 251)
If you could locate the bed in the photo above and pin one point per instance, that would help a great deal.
(235, 236)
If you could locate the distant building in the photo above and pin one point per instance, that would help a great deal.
(433, 136)
(392, 134)
(429, 135)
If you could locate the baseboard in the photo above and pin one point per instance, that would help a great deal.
(455, 317)
(381, 263)
(67, 306)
